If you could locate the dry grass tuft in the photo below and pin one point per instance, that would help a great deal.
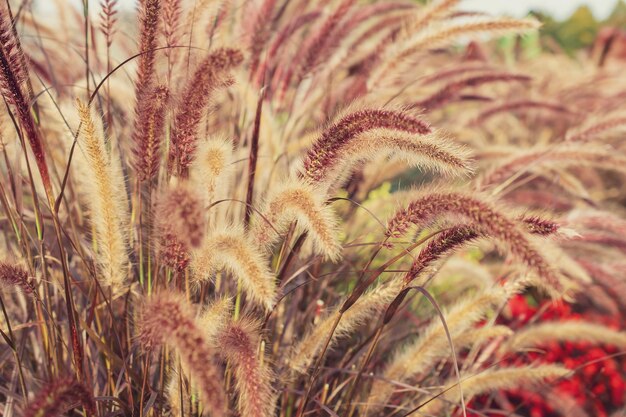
(300, 208)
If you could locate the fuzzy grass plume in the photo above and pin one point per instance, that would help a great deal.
(249, 215)
(432, 345)
(12, 275)
(298, 201)
(484, 216)
(58, 397)
(239, 343)
(106, 199)
(169, 319)
(230, 249)
(211, 74)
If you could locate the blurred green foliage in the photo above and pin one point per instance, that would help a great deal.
(580, 29)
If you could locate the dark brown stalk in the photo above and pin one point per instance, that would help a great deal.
(252, 159)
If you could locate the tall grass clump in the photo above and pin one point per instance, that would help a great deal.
(293, 208)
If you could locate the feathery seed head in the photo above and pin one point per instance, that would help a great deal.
(149, 25)
(326, 149)
(486, 217)
(239, 344)
(174, 253)
(181, 213)
(529, 377)
(213, 163)
(212, 73)
(231, 249)
(15, 276)
(13, 76)
(168, 318)
(540, 226)
(563, 331)
(58, 396)
(433, 151)
(444, 243)
(148, 136)
(215, 316)
(302, 202)
(365, 308)
(149, 13)
(571, 154)
(453, 89)
(106, 192)
(432, 345)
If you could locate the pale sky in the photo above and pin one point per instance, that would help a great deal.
(560, 9)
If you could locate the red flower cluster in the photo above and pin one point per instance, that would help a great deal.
(598, 385)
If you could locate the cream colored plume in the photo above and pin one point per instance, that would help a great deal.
(433, 152)
(368, 307)
(401, 56)
(106, 198)
(565, 331)
(432, 346)
(297, 201)
(212, 166)
(230, 248)
(487, 381)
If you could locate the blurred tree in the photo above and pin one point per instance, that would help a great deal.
(618, 16)
(579, 30)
